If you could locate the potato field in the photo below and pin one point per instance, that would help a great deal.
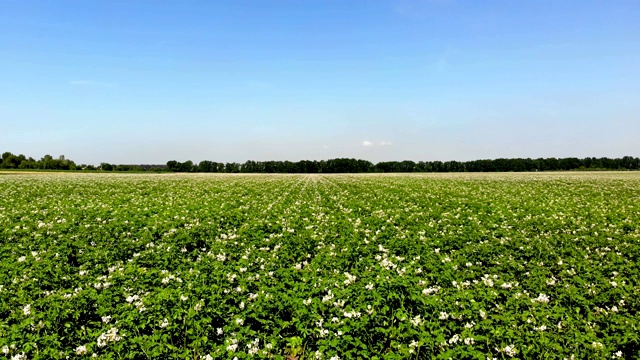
(203, 266)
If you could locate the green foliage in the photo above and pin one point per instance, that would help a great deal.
(339, 166)
(314, 266)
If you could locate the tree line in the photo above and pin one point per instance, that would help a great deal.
(344, 165)
(11, 161)
(48, 162)
(332, 166)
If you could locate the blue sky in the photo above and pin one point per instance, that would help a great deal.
(150, 81)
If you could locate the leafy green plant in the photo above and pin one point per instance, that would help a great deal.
(319, 267)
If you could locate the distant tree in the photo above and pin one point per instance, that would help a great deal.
(172, 165)
(11, 161)
(205, 166)
(232, 167)
(186, 166)
(338, 165)
(106, 166)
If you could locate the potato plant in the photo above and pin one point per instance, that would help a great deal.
(320, 266)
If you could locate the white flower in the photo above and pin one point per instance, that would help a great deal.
(106, 319)
(219, 331)
(81, 350)
(416, 321)
(22, 258)
(483, 314)
(140, 306)
(307, 302)
(443, 315)
(27, 309)
(232, 347)
(21, 356)
(5, 349)
(618, 354)
(540, 328)
(206, 357)
(165, 323)
(350, 278)
(239, 321)
(487, 280)
(183, 298)
(469, 341)
(509, 350)
(597, 345)
(352, 314)
(327, 297)
(109, 336)
(430, 290)
(542, 298)
(334, 358)
(198, 306)
(369, 287)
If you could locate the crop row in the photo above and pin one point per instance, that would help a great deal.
(319, 267)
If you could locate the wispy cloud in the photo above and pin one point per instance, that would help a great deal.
(368, 143)
(91, 83)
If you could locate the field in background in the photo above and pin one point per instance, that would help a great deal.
(464, 265)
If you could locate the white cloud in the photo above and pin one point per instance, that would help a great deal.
(325, 146)
(386, 143)
(367, 143)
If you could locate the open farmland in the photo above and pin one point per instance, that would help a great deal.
(320, 267)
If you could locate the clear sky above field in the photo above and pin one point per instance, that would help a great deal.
(150, 81)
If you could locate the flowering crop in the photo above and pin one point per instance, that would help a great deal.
(205, 266)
